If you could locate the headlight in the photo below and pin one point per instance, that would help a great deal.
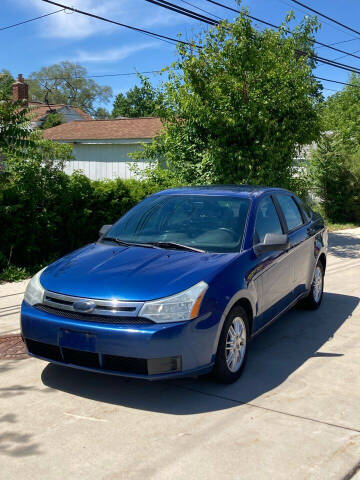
(34, 292)
(182, 306)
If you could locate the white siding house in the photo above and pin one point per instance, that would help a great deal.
(101, 147)
(108, 159)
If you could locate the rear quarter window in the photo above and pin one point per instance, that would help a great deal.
(305, 209)
(291, 211)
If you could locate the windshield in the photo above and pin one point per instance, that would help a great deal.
(211, 223)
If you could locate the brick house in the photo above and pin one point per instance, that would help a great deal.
(40, 110)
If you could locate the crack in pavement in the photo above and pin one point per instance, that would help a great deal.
(280, 412)
(352, 472)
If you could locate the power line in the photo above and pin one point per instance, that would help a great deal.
(342, 56)
(331, 90)
(343, 41)
(287, 31)
(159, 71)
(326, 16)
(32, 19)
(130, 27)
(337, 81)
(298, 51)
(171, 6)
(153, 72)
(93, 76)
(189, 13)
(324, 21)
(201, 9)
(332, 63)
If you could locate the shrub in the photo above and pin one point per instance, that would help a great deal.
(334, 176)
(46, 213)
(11, 273)
(53, 120)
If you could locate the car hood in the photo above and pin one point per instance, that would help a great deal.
(105, 271)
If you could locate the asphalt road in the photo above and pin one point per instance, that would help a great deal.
(295, 414)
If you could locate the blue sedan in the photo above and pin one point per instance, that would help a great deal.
(179, 285)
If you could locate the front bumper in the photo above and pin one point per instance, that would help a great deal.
(153, 351)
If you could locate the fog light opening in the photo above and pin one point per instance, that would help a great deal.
(163, 365)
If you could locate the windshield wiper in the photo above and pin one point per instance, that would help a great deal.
(177, 246)
(129, 244)
(116, 240)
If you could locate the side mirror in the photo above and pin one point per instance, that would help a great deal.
(272, 242)
(104, 229)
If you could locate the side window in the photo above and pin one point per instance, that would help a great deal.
(290, 210)
(267, 220)
(306, 210)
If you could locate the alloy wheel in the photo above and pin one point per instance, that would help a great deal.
(235, 344)
(317, 284)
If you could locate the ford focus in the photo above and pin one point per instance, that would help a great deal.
(179, 285)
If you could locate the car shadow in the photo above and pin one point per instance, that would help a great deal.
(273, 357)
(343, 245)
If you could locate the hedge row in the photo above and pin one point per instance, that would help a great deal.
(47, 214)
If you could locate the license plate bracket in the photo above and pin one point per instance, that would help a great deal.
(77, 340)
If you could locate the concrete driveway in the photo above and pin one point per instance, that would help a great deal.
(295, 414)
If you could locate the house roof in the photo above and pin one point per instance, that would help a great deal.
(145, 127)
(39, 110)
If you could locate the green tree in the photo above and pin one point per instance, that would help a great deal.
(6, 81)
(240, 106)
(101, 114)
(341, 112)
(14, 125)
(140, 101)
(334, 166)
(66, 83)
(52, 120)
(334, 174)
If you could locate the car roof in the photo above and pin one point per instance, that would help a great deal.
(223, 190)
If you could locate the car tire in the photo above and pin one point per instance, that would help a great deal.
(313, 300)
(234, 338)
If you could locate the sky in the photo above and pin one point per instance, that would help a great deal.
(108, 49)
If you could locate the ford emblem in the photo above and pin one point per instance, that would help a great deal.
(84, 306)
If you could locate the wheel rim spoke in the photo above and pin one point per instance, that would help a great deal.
(232, 332)
(235, 359)
(230, 356)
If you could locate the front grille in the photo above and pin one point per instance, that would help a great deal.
(111, 308)
(58, 300)
(101, 307)
(89, 317)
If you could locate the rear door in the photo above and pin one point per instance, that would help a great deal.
(274, 273)
(300, 249)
